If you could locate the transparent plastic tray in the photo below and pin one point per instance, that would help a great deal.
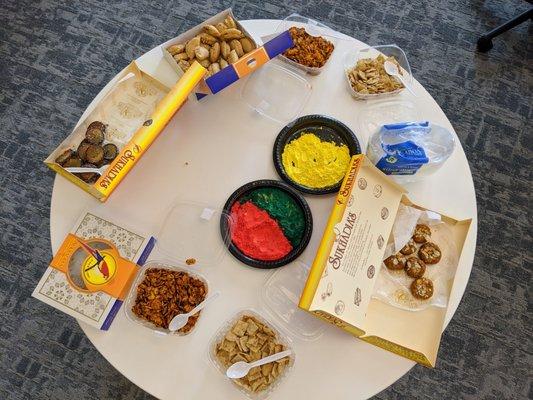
(129, 302)
(191, 231)
(276, 92)
(312, 27)
(281, 295)
(219, 335)
(351, 57)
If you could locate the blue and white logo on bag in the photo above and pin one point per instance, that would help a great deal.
(404, 158)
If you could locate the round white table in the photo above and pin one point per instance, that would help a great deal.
(222, 152)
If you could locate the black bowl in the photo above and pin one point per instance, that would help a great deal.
(296, 251)
(327, 129)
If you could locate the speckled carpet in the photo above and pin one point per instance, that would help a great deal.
(56, 56)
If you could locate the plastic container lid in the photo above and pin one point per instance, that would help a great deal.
(191, 231)
(280, 296)
(276, 92)
(386, 111)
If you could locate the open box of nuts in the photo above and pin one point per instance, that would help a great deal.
(103, 147)
(224, 48)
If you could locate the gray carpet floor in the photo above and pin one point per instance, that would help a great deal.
(55, 57)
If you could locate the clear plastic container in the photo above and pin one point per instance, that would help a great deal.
(276, 92)
(129, 302)
(312, 27)
(204, 244)
(281, 295)
(224, 329)
(351, 57)
(410, 151)
(279, 309)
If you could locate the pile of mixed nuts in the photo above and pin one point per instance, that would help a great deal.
(368, 76)
(215, 48)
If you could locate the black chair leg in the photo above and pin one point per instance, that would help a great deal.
(484, 43)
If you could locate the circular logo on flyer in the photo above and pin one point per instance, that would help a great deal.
(370, 272)
(381, 242)
(384, 213)
(362, 183)
(339, 307)
(99, 268)
(377, 191)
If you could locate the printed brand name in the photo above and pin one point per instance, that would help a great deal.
(347, 187)
(118, 166)
(342, 241)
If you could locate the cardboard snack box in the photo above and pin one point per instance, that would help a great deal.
(233, 72)
(135, 110)
(343, 275)
(91, 272)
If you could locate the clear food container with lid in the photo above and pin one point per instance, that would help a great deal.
(132, 296)
(190, 237)
(313, 28)
(279, 311)
(351, 57)
(277, 92)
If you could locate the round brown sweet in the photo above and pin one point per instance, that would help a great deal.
(94, 154)
(395, 262)
(82, 149)
(414, 267)
(409, 248)
(63, 157)
(95, 136)
(422, 233)
(430, 253)
(422, 288)
(98, 125)
(73, 161)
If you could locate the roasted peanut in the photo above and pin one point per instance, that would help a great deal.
(176, 49)
(181, 56)
(233, 57)
(214, 52)
(221, 27)
(205, 63)
(207, 38)
(230, 22)
(191, 46)
(247, 45)
(224, 49)
(236, 45)
(184, 65)
(214, 68)
(231, 33)
(211, 30)
(223, 63)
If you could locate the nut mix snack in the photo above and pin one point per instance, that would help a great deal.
(163, 294)
(368, 76)
(310, 51)
(249, 340)
(91, 152)
(215, 48)
(422, 233)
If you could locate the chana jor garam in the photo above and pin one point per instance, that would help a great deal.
(368, 76)
(250, 340)
(163, 294)
(308, 50)
(215, 48)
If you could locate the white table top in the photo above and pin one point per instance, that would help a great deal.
(208, 136)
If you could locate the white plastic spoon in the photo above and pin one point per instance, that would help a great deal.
(241, 368)
(83, 170)
(180, 320)
(392, 70)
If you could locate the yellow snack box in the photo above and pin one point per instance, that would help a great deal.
(342, 279)
(134, 111)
